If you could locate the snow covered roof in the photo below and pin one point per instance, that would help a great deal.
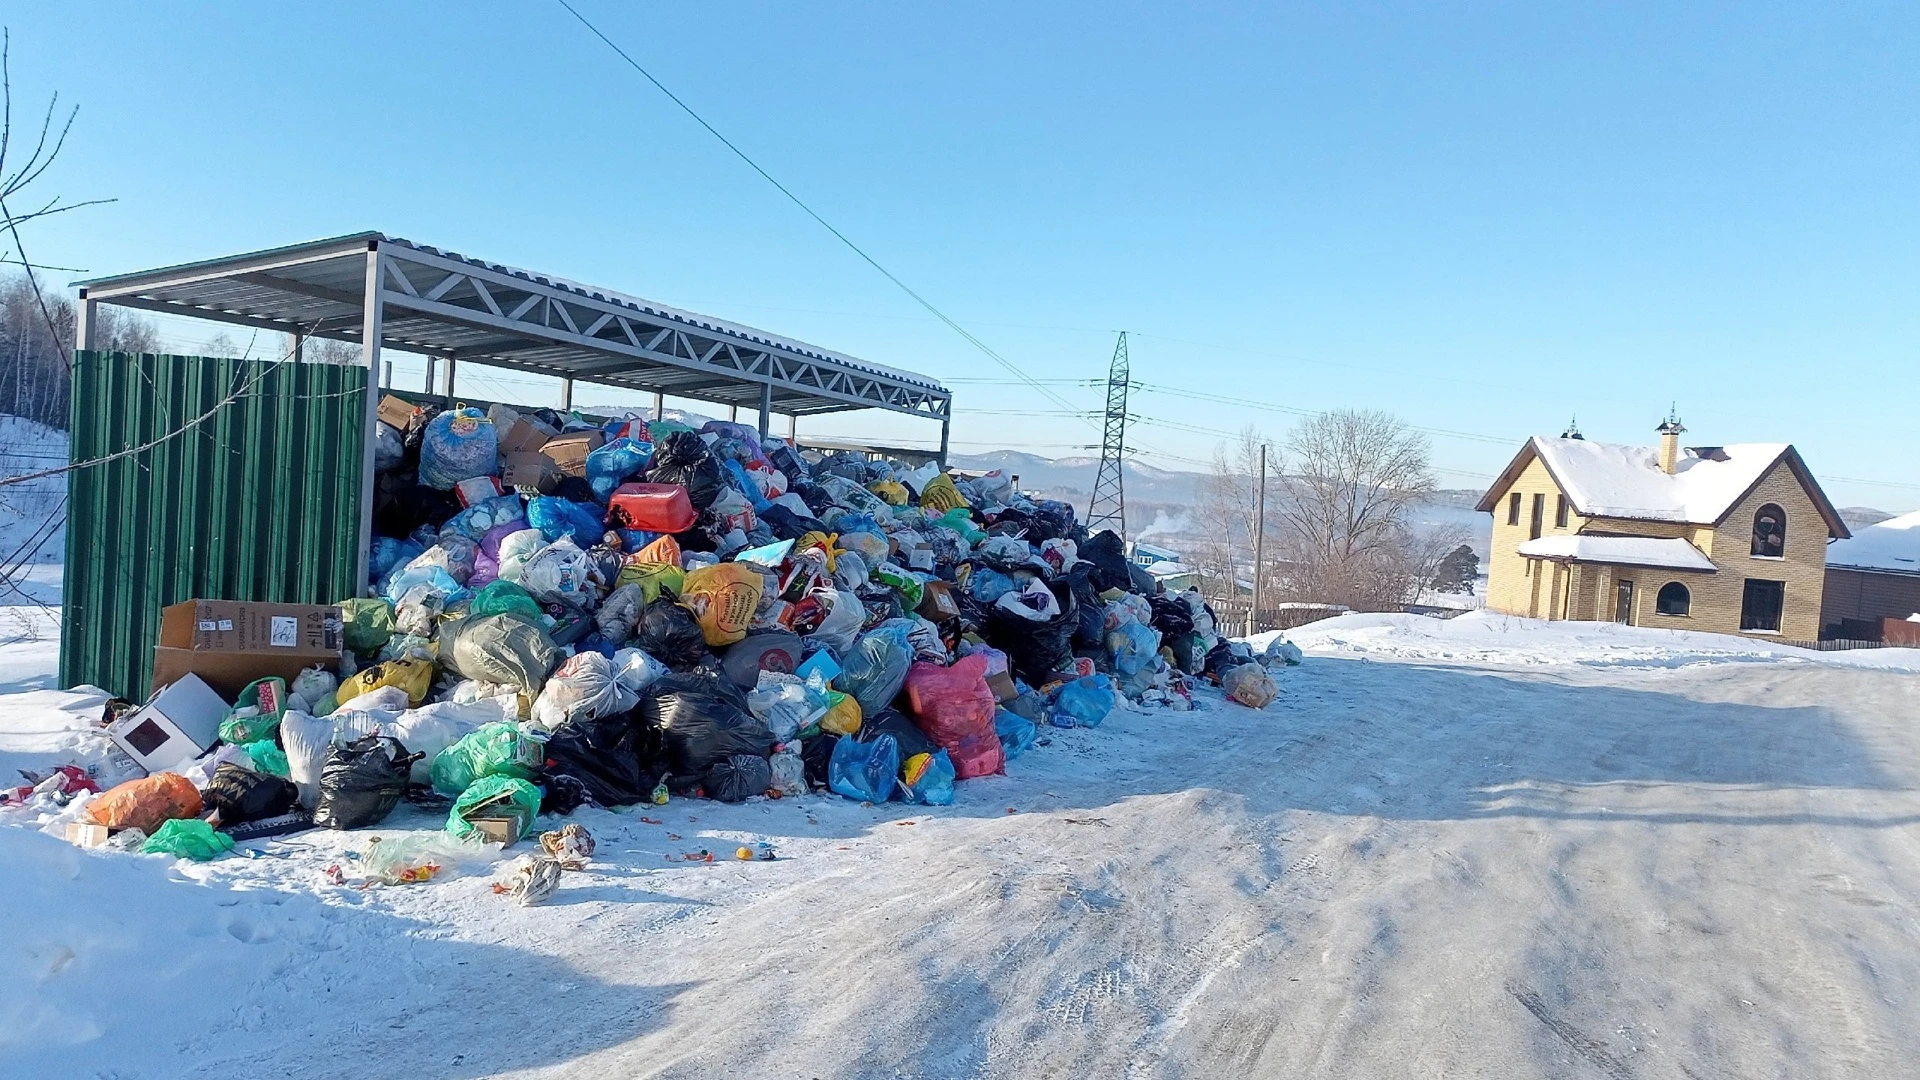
(1892, 546)
(1667, 554)
(1617, 481)
(1168, 568)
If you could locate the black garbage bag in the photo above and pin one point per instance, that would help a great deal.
(816, 753)
(702, 718)
(1188, 656)
(815, 496)
(1090, 631)
(683, 458)
(615, 760)
(1171, 616)
(700, 537)
(1035, 650)
(1108, 554)
(361, 782)
(790, 464)
(562, 794)
(890, 722)
(1138, 580)
(244, 795)
(787, 525)
(400, 506)
(1221, 657)
(1011, 521)
(881, 602)
(739, 777)
(576, 489)
(1051, 520)
(417, 427)
(670, 634)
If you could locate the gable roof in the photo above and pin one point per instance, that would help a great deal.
(1616, 481)
(1891, 546)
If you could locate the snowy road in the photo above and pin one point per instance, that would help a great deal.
(1403, 868)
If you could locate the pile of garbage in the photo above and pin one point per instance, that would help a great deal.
(562, 614)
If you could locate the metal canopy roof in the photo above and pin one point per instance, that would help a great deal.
(447, 305)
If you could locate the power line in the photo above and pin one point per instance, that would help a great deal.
(810, 212)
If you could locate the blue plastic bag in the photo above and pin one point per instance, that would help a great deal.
(1016, 732)
(476, 521)
(934, 785)
(864, 772)
(746, 485)
(556, 517)
(614, 462)
(632, 540)
(875, 669)
(1084, 702)
(1134, 646)
(387, 553)
(434, 577)
(459, 444)
(989, 584)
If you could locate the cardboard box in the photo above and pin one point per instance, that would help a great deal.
(530, 472)
(937, 604)
(1001, 684)
(230, 643)
(570, 451)
(496, 830)
(521, 434)
(177, 725)
(396, 412)
(86, 834)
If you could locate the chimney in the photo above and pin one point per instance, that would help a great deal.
(1670, 443)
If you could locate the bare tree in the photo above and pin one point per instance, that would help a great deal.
(1353, 476)
(1226, 513)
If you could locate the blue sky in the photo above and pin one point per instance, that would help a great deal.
(1482, 217)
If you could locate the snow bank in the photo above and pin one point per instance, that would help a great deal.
(1484, 637)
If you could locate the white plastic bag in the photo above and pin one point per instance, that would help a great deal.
(584, 687)
(561, 573)
(385, 699)
(785, 704)
(515, 549)
(845, 616)
(789, 771)
(636, 670)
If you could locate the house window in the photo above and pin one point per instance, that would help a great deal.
(1513, 509)
(1674, 599)
(1539, 516)
(1560, 512)
(1760, 605)
(1770, 532)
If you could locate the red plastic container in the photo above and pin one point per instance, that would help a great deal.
(661, 508)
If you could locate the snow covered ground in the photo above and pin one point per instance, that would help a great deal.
(32, 545)
(1476, 847)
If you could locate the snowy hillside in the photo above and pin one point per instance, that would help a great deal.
(32, 546)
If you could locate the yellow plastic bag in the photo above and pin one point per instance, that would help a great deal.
(723, 599)
(827, 542)
(653, 578)
(843, 716)
(940, 496)
(413, 676)
(892, 492)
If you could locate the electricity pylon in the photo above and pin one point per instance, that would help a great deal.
(1108, 507)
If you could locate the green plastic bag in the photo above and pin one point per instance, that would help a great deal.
(960, 520)
(901, 581)
(499, 749)
(504, 598)
(268, 758)
(189, 838)
(495, 796)
(256, 712)
(369, 623)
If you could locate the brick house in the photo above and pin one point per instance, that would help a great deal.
(1873, 578)
(1731, 539)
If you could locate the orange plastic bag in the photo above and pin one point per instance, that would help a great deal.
(146, 803)
(723, 599)
(664, 550)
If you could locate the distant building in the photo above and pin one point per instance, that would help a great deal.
(1873, 577)
(1731, 539)
(1176, 576)
(1145, 554)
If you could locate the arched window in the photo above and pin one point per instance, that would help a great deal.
(1770, 531)
(1674, 599)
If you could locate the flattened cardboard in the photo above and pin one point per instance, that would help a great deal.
(570, 451)
(86, 834)
(530, 472)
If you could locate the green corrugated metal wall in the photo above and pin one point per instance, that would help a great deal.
(261, 501)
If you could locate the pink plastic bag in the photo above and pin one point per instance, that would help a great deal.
(954, 706)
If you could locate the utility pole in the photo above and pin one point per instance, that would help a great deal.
(1108, 506)
(1259, 546)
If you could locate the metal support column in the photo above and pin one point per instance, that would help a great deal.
(427, 386)
(566, 394)
(793, 428)
(88, 315)
(946, 424)
(370, 328)
(659, 405)
(766, 408)
(450, 366)
(295, 345)
(735, 416)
